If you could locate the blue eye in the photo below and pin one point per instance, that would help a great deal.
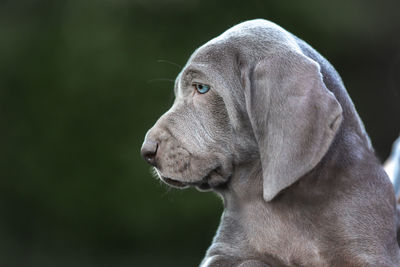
(201, 88)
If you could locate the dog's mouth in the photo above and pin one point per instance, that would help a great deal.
(174, 183)
(212, 180)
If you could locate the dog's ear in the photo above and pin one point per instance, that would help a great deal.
(293, 115)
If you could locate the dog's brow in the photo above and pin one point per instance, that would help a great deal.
(191, 74)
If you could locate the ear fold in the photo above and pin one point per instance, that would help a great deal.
(294, 118)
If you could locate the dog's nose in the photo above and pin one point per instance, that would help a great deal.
(149, 151)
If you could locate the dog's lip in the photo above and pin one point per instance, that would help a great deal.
(174, 183)
(201, 184)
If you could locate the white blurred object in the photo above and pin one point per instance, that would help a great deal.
(392, 166)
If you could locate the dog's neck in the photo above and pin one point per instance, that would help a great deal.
(244, 186)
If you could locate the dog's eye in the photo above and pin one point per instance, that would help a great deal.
(201, 88)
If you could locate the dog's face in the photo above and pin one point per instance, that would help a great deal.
(249, 95)
(196, 142)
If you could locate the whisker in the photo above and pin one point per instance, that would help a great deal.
(155, 174)
(169, 62)
(160, 80)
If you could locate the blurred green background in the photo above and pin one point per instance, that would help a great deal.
(82, 81)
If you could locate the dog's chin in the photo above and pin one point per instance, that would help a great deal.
(212, 180)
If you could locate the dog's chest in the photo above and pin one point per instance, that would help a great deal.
(279, 237)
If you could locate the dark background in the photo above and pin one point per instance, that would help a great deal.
(80, 84)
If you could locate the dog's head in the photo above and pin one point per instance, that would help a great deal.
(248, 95)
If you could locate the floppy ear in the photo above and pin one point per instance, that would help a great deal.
(293, 115)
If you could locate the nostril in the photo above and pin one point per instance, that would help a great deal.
(149, 151)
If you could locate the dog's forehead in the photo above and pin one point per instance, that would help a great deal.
(253, 36)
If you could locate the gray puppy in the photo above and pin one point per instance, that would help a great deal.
(264, 120)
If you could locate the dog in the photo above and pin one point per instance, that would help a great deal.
(263, 120)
